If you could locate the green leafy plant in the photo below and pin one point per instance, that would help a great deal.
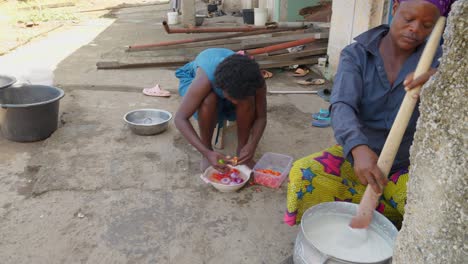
(33, 11)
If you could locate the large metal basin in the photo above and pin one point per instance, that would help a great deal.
(6, 81)
(148, 121)
(306, 252)
(29, 112)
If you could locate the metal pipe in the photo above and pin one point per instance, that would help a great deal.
(305, 24)
(281, 46)
(213, 29)
(193, 40)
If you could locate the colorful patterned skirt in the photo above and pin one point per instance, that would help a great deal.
(326, 177)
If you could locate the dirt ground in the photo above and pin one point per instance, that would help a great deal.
(23, 21)
(96, 193)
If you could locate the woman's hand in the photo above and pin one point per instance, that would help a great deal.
(247, 153)
(366, 169)
(411, 83)
(217, 161)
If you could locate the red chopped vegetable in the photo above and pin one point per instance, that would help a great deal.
(268, 171)
(232, 175)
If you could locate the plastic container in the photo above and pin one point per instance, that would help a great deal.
(322, 62)
(212, 8)
(272, 161)
(260, 16)
(199, 20)
(172, 18)
(29, 112)
(248, 15)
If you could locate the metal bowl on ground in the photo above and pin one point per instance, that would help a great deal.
(148, 121)
(307, 248)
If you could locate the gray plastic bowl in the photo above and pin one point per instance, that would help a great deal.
(29, 112)
(199, 20)
(148, 121)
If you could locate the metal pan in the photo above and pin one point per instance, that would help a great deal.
(6, 81)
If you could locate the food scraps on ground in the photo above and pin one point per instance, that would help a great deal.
(231, 177)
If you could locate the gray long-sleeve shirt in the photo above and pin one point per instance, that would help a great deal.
(364, 104)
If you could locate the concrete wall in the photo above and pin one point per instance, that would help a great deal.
(247, 4)
(288, 10)
(349, 19)
(435, 225)
(283, 10)
(270, 5)
(233, 5)
(188, 12)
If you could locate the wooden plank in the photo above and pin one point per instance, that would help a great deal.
(139, 63)
(196, 50)
(262, 42)
(207, 44)
(315, 48)
(300, 54)
(167, 61)
(300, 31)
(109, 65)
(267, 64)
(289, 33)
(316, 44)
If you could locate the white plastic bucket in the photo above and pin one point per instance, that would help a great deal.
(260, 16)
(322, 62)
(172, 18)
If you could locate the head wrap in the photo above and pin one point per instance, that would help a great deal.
(442, 5)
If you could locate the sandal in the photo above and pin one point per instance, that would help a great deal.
(311, 81)
(325, 122)
(156, 91)
(322, 114)
(266, 74)
(301, 72)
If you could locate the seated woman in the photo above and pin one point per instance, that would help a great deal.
(367, 93)
(222, 85)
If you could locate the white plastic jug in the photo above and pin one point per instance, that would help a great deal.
(172, 18)
(260, 16)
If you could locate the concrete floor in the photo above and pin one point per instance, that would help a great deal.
(96, 193)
